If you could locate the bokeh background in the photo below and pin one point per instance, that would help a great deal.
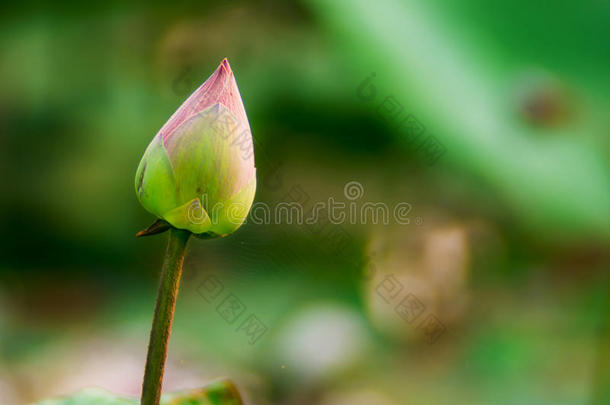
(507, 245)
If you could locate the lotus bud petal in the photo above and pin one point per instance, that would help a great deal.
(198, 172)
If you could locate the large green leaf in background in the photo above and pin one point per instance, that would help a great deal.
(558, 181)
(221, 392)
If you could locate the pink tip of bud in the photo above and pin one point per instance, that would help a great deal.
(225, 66)
(221, 88)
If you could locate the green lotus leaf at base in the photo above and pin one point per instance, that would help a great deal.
(222, 392)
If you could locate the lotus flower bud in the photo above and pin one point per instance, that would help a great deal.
(198, 172)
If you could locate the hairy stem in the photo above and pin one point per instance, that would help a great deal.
(164, 314)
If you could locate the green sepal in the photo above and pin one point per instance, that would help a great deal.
(205, 157)
(155, 184)
(235, 210)
(190, 216)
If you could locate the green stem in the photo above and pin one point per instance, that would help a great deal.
(164, 314)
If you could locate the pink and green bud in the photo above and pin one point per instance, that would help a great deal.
(198, 172)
